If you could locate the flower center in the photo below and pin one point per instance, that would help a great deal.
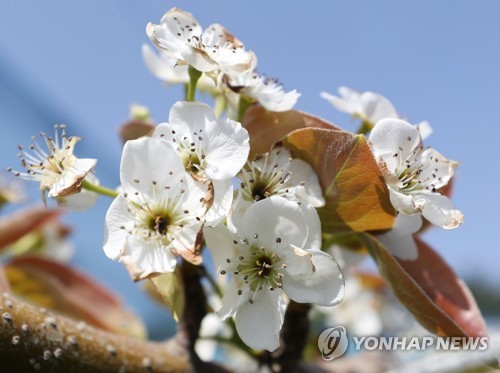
(259, 184)
(160, 224)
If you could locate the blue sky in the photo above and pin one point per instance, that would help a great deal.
(79, 63)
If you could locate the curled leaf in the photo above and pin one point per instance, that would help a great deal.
(267, 127)
(355, 192)
(55, 285)
(171, 289)
(438, 299)
(18, 224)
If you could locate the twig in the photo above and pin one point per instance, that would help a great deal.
(32, 339)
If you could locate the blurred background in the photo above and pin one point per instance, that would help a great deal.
(80, 63)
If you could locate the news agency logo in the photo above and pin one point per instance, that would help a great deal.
(333, 343)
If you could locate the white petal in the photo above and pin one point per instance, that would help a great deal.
(393, 136)
(223, 199)
(219, 240)
(346, 258)
(348, 103)
(193, 115)
(376, 107)
(439, 169)
(143, 258)
(425, 129)
(324, 287)
(313, 227)
(298, 261)
(259, 324)
(401, 245)
(439, 210)
(227, 147)
(176, 18)
(403, 203)
(276, 222)
(407, 224)
(164, 67)
(232, 299)
(146, 160)
(115, 236)
(283, 101)
(311, 192)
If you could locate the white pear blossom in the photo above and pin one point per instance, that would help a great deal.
(266, 91)
(159, 214)
(211, 149)
(165, 68)
(414, 175)
(271, 253)
(370, 107)
(215, 49)
(277, 173)
(54, 165)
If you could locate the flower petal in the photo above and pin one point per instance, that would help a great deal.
(164, 67)
(223, 199)
(303, 173)
(147, 160)
(439, 210)
(439, 171)
(325, 286)
(232, 298)
(394, 136)
(226, 147)
(143, 258)
(313, 227)
(220, 242)
(259, 324)
(401, 245)
(114, 235)
(376, 107)
(403, 203)
(274, 222)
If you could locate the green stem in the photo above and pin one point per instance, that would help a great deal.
(99, 189)
(243, 106)
(364, 127)
(194, 76)
(220, 105)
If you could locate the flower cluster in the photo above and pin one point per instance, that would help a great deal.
(229, 70)
(267, 220)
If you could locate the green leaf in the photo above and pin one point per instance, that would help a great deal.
(267, 127)
(171, 288)
(438, 299)
(59, 287)
(356, 194)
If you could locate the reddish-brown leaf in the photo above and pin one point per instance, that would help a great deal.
(356, 194)
(18, 224)
(267, 127)
(57, 286)
(438, 299)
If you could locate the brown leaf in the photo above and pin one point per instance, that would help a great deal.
(267, 127)
(135, 128)
(57, 286)
(18, 224)
(356, 194)
(438, 299)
